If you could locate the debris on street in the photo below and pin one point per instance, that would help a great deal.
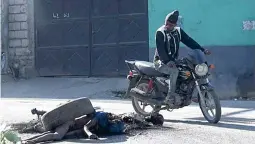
(127, 123)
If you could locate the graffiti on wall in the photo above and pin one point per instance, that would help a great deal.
(249, 25)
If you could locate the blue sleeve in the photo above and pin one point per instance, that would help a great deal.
(189, 42)
(117, 127)
(102, 119)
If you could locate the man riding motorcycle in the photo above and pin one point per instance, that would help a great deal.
(168, 38)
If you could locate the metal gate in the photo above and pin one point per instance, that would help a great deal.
(89, 37)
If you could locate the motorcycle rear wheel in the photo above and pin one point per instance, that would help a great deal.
(143, 85)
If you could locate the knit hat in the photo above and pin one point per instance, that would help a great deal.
(172, 17)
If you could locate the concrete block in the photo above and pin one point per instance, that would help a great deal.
(17, 2)
(17, 17)
(11, 2)
(24, 42)
(24, 25)
(23, 53)
(14, 26)
(20, 1)
(11, 17)
(20, 17)
(15, 43)
(18, 34)
(14, 9)
(23, 8)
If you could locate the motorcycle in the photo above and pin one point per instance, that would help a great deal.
(149, 87)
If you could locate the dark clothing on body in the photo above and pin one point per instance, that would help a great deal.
(168, 44)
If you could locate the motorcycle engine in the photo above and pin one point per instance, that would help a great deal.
(184, 87)
(184, 92)
(184, 74)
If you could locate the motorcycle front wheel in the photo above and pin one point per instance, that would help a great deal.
(212, 108)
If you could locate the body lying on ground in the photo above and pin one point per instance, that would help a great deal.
(90, 126)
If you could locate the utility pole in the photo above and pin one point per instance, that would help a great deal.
(5, 33)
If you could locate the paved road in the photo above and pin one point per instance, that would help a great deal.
(184, 126)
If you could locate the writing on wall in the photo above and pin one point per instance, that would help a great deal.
(249, 25)
(57, 15)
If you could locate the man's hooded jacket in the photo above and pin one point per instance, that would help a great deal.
(168, 42)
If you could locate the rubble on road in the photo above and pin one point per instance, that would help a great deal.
(74, 110)
(135, 123)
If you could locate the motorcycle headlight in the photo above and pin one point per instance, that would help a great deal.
(201, 69)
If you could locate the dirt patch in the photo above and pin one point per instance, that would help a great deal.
(119, 93)
(25, 127)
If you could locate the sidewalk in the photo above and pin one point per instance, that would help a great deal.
(93, 88)
(63, 88)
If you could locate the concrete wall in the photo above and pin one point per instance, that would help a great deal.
(4, 32)
(1, 23)
(20, 50)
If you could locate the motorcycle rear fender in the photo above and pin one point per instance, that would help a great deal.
(132, 67)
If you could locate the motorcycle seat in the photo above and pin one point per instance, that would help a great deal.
(148, 68)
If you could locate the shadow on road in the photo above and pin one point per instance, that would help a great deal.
(228, 117)
(237, 112)
(237, 104)
(227, 121)
(119, 138)
(221, 124)
(109, 139)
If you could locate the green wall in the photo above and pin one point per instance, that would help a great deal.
(210, 22)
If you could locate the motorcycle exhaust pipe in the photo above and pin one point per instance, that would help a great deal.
(134, 92)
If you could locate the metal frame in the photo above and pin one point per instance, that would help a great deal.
(90, 49)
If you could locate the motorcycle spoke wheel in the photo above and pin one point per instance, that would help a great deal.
(147, 107)
(142, 107)
(208, 103)
(212, 112)
(211, 108)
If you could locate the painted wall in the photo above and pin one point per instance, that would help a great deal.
(218, 26)
(210, 22)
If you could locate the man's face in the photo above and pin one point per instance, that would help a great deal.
(170, 26)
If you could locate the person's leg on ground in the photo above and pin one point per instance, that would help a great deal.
(56, 136)
(76, 134)
(39, 135)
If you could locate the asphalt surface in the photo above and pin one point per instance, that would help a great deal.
(183, 126)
